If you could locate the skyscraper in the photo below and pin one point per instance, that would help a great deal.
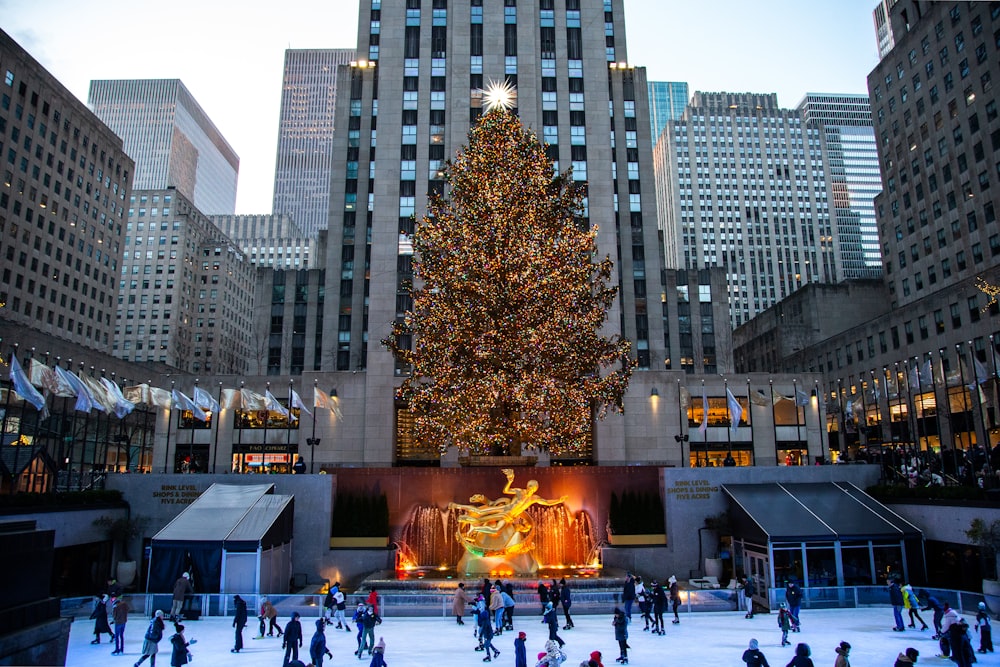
(65, 183)
(667, 101)
(742, 185)
(173, 142)
(305, 136)
(853, 173)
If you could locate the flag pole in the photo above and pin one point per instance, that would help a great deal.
(267, 418)
(732, 425)
(985, 442)
(288, 425)
(242, 420)
(191, 444)
(6, 403)
(966, 410)
(798, 429)
(3, 432)
(170, 414)
(218, 424)
(750, 418)
(680, 425)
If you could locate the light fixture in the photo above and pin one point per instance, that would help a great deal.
(333, 393)
(654, 392)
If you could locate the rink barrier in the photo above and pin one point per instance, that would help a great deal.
(439, 604)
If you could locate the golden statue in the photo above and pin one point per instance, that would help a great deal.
(500, 528)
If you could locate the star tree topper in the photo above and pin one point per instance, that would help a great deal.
(499, 95)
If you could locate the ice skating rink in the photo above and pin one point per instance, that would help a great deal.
(707, 638)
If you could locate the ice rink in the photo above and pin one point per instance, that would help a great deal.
(707, 638)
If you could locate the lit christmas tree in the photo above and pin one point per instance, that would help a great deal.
(507, 350)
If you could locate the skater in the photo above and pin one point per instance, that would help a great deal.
(552, 656)
(843, 655)
(182, 588)
(271, 614)
(458, 604)
(341, 601)
(628, 594)
(487, 639)
(520, 653)
(496, 610)
(151, 640)
(358, 620)
(552, 619)
(543, 595)
(748, 593)
(793, 597)
(675, 598)
(293, 639)
(239, 622)
(801, 659)
(369, 619)
(659, 604)
(508, 606)
(907, 658)
(100, 617)
(378, 654)
(983, 625)
(566, 598)
(119, 614)
(896, 600)
(317, 645)
(961, 643)
(932, 604)
(753, 657)
(329, 604)
(620, 624)
(373, 601)
(784, 622)
(595, 659)
(644, 598)
(179, 654)
(912, 606)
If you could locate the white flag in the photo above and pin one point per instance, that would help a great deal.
(735, 410)
(296, 402)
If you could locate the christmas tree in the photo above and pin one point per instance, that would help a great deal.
(505, 326)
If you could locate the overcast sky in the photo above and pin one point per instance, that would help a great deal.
(230, 54)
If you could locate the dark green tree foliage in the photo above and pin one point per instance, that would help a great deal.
(636, 513)
(360, 515)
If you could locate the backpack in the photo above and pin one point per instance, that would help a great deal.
(154, 633)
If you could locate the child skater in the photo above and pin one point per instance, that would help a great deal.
(785, 623)
(620, 623)
(985, 629)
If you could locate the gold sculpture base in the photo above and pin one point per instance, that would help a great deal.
(518, 564)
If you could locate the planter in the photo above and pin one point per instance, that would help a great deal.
(126, 572)
(991, 591)
(638, 540)
(359, 542)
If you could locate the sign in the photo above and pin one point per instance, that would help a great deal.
(693, 489)
(176, 494)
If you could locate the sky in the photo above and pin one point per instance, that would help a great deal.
(231, 55)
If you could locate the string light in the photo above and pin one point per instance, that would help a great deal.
(505, 325)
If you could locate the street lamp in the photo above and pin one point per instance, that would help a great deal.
(313, 444)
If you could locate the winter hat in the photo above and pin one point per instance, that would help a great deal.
(186, 575)
(672, 579)
(753, 644)
(541, 655)
(982, 606)
(159, 613)
(548, 605)
(320, 622)
(381, 644)
(655, 583)
(595, 656)
(843, 648)
(912, 653)
(521, 635)
(781, 605)
(295, 615)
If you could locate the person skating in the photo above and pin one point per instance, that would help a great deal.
(459, 603)
(271, 614)
(378, 654)
(912, 606)
(675, 598)
(644, 598)
(496, 609)
(753, 657)
(595, 659)
(659, 605)
(100, 618)
(520, 652)
(628, 594)
(369, 619)
(784, 622)
(119, 614)
(239, 622)
(896, 600)
(552, 656)
(551, 618)
(907, 658)
(317, 645)
(482, 615)
(358, 620)
(983, 625)
(801, 658)
(931, 604)
(793, 597)
(329, 603)
(961, 644)
(566, 598)
(292, 639)
(508, 606)
(182, 588)
(748, 592)
(179, 654)
(487, 638)
(843, 655)
(151, 640)
(543, 595)
(620, 624)
(340, 614)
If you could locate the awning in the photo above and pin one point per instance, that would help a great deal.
(821, 512)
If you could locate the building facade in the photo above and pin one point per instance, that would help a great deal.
(741, 184)
(172, 140)
(186, 292)
(272, 240)
(66, 181)
(853, 173)
(667, 102)
(303, 168)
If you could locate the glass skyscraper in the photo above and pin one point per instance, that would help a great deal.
(667, 101)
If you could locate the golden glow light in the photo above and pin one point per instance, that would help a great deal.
(499, 95)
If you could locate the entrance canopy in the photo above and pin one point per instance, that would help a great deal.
(823, 512)
(226, 518)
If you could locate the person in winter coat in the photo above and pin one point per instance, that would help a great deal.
(496, 610)
(595, 659)
(119, 614)
(675, 598)
(543, 595)
(961, 643)
(907, 658)
(659, 605)
(182, 588)
(628, 594)
(932, 604)
(983, 625)
(843, 655)
(551, 618)
(369, 619)
(748, 592)
(100, 617)
(293, 639)
(378, 654)
(271, 614)
(644, 598)
(372, 601)
(151, 640)
(487, 637)
(239, 622)
(508, 607)
(329, 603)
(896, 600)
(317, 645)
(784, 622)
(520, 653)
(552, 656)
(459, 603)
(753, 657)
(341, 601)
(793, 597)
(801, 658)
(912, 606)
(620, 623)
(566, 598)
(179, 647)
